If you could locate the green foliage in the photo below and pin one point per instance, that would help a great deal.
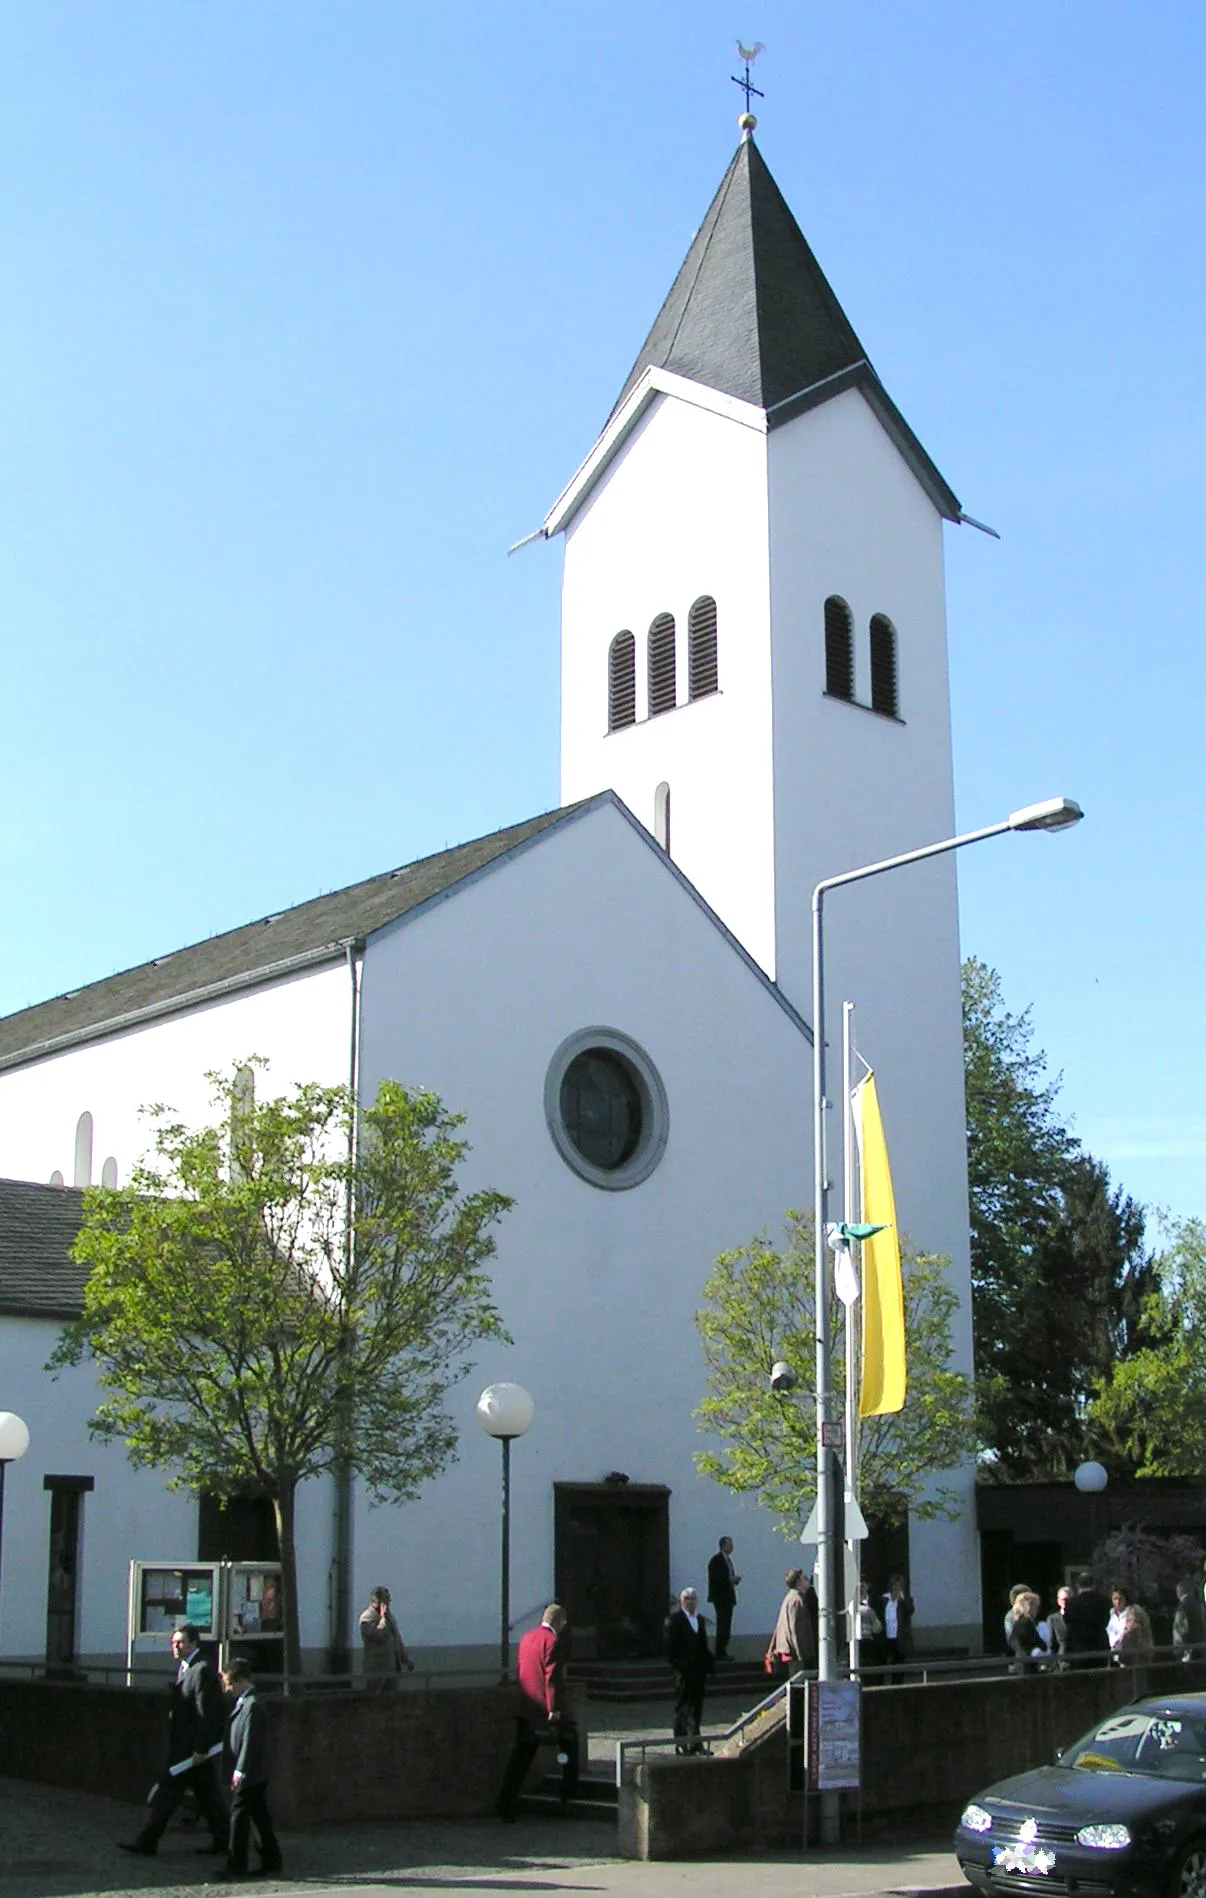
(1149, 1411)
(759, 1307)
(245, 1335)
(1060, 1279)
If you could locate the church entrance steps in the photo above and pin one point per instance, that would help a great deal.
(619, 1681)
(596, 1798)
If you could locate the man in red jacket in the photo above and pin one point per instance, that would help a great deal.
(541, 1717)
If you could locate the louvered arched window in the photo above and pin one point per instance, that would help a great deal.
(839, 649)
(662, 682)
(883, 666)
(621, 682)
(701, 649)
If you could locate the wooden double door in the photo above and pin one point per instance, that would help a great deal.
(612, 1566)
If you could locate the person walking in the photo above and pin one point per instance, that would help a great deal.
(195, 1725)
(723, 1583)
(385, 1653)
(1189, 1623)
(692, 1659)
(247, 1755)
(541, 1715)
(793, 1644)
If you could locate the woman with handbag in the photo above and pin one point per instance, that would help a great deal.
(793, 1645)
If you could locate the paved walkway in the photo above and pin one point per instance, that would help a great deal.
(61, 1845)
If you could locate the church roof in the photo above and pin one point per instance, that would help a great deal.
(750, 313)
(38, 1224)
(274, 946)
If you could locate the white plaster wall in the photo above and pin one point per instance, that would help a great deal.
(590, 927)
(681, 513)
(301, 1025)
(129, 1515)
(852, 787)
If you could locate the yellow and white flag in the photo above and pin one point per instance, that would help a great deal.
(883, 1378)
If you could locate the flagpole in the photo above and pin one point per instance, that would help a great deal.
(850, 1214)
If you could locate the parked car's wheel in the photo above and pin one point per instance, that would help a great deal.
(1188, 1876)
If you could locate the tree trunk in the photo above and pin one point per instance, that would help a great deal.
(282, 1504)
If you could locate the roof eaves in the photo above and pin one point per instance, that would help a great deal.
(570, 815)
(861, 376)
(176, 1004)
(654, 382)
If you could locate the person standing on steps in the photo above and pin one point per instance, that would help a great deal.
(723, 1582)
(196, 1721)
(692, 1659)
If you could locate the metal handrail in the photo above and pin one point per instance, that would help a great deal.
(644, 1741)
(921, 1672)
(103, 1674)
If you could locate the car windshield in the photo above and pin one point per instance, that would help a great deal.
(1165, 1745)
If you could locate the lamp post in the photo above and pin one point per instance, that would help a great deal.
(1056, 813)
(505, 1411)
(14, 1442)
(1090, 1479)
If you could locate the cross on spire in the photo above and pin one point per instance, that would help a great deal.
(749, 54)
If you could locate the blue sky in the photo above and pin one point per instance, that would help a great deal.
(310, 310)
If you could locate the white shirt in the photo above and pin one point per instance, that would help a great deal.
(693, 1619)
(1116, 1625)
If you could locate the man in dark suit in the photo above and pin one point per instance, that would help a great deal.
(1087, 1617)
(195, 1723)
(723, 1581)
(247, 1757)
(691, 1658)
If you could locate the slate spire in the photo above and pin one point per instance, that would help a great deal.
(750, 313)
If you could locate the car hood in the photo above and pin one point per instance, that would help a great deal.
(1079, 1794)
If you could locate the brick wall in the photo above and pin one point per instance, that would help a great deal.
(413, 1754)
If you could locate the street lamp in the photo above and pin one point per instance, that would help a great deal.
(14, 1442)
(505, 1411)
(1053, 813)
(1090, 1479)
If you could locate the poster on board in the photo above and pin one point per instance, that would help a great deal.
(834, 1735)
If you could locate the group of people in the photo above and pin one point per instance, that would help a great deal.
(217, 1730)
(1088, 1628)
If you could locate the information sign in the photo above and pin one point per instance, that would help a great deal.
(834, 1735)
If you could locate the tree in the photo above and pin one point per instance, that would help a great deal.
(1148, 1413)
(1060, 1277)
(759, 1307)
(270, 1295)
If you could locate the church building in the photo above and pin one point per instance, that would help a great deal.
(614, 993)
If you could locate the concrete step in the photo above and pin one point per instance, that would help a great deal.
(595, 1798)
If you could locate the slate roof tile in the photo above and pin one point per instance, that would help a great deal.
(258, 949)
(38, 1224)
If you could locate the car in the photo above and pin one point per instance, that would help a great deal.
(1121, 1814)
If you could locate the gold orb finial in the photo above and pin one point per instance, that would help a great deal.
(747, 122)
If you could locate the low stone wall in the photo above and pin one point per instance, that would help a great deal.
(336, 1755)
(926, 1750)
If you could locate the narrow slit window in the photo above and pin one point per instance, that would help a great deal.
(662, 681)
(621, 682)
(883, 666)
(83, 1150)
(701, 649)
(839, 649)
(661, 816)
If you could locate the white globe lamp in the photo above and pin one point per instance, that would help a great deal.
(505, 1411)
(14, 1442)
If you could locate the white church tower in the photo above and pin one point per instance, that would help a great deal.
(754, 658)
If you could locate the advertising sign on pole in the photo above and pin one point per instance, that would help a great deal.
(834, 1735)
